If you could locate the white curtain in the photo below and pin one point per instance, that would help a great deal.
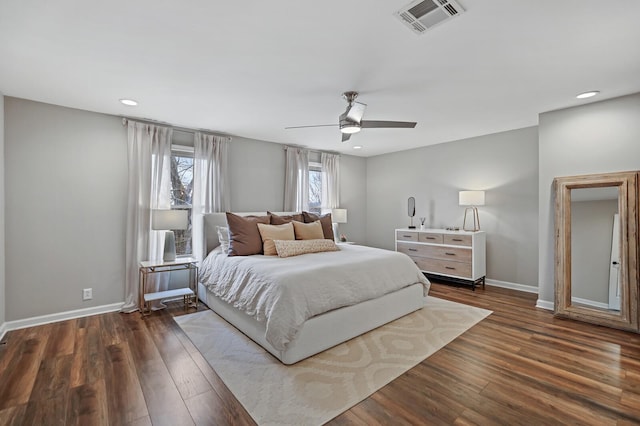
(296, 181)
(210, 183)
(330, 164)
(149, 157)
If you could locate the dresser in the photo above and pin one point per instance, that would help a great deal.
(455, 255)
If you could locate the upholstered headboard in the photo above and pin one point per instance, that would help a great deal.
(211, 220)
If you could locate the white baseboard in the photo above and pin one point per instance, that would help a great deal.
(61, 316)
(590, 303)
(3, 329)
(544, 304)
(512, 286)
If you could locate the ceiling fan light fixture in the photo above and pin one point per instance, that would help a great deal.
(349, 128)
(351, 121)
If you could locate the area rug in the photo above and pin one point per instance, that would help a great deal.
(319, 388)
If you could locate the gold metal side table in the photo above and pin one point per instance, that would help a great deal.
(189, 294)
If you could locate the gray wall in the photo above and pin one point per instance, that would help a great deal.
(257, 180)
(2, 243)
(66, 203)
(594, 138)
(66, 200)
(505, 165)
(591, 236)
(353, 197)
(256, 171)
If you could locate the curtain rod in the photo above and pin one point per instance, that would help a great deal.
(311, 150)
(192, 131)
(180, 129)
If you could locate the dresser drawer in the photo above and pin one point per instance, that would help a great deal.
(444, 267)
(458, 240)
(428, 237)
(435, 252)
(406, 236)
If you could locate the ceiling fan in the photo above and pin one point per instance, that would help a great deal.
(351, 121)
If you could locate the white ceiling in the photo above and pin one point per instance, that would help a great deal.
(252, 68)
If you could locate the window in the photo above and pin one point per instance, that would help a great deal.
(315, 187)
(181, 193)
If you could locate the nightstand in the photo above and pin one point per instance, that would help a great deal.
(189, 294)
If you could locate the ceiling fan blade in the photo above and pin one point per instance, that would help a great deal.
(345, 137)
(315, 125)
(387, 124)
(355, 111)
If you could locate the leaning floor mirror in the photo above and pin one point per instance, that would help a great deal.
(596, 258)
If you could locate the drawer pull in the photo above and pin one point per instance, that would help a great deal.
(407, 236)
(413, 249)
(456, 239)
(450, 267)
(450, 254)
(431, 238)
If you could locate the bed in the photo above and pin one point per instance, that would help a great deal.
(289, 329)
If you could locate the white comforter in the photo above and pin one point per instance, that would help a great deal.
(285, 292)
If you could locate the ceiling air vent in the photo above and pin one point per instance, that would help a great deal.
(422, 15)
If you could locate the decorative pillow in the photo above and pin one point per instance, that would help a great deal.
(325, 221)
(244, 236)
(308, 231)
(288, 248)
(274, 232)
(279, 220)
(223, 237)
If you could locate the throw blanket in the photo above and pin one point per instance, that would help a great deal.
(285, 292)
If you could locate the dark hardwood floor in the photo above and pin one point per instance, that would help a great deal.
(518, 366)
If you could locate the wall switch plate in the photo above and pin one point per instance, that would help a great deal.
(87, 294)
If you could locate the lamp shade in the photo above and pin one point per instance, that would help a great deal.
(339, 215)
(169, 219)
(471, 198)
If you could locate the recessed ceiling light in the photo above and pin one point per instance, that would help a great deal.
(587, 94)
(357, 147)
(128, 102)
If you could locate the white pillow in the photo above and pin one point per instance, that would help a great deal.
(223, 237)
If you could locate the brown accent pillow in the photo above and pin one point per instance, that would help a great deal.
(244, 236)
(274, 232)
(279, 220)
(308, 231)
(325, 221)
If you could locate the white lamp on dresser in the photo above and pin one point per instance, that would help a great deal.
(471, 199)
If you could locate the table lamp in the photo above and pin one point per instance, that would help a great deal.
(338, 216)
(471, 199)
(169, 220)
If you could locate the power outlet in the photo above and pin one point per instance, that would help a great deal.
(87, 294)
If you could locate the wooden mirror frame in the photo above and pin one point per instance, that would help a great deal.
(627, 183)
